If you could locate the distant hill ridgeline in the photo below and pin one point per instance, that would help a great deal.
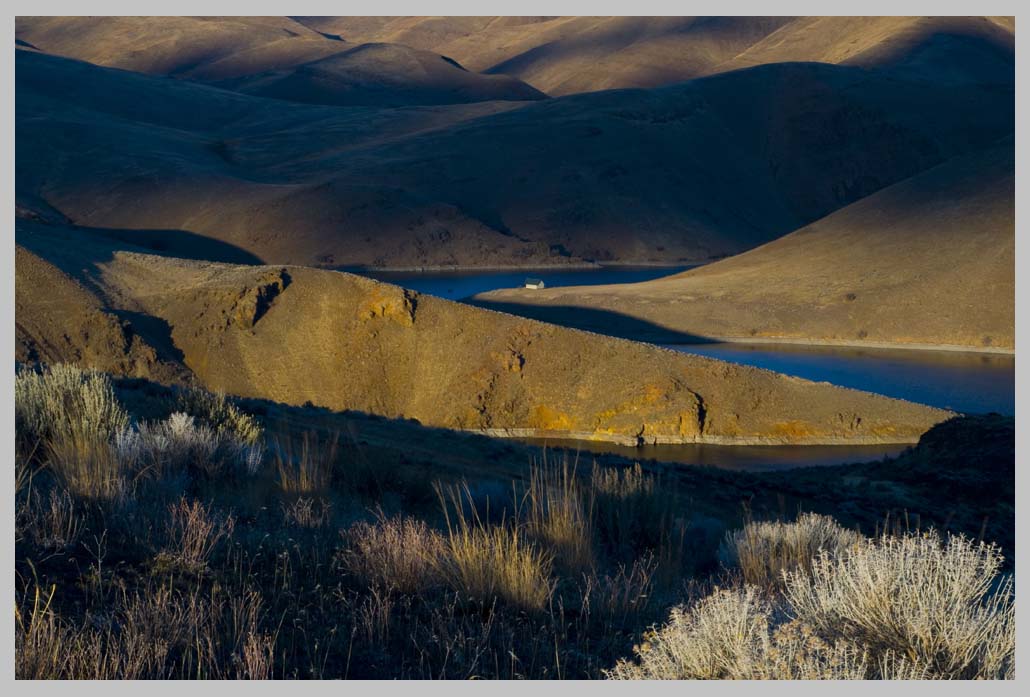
(686, 173)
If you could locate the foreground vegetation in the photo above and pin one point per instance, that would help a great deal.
(189, 539)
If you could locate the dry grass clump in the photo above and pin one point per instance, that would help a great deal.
(307, 512)
(84, 460)
(486, 562)
(618, 599)
(764, 551)
(156, 633)
(559, 512)
(729, 635)
(51, 522)
(73, 423)
(193, 533)
(401, 554)
(68, 417)
(926, 606)
(632, 510)
(636, 513)
(305, 468)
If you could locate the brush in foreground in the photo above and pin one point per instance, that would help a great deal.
(890, 608)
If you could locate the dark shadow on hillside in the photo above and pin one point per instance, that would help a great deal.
(597, 321)
(96, 244)
(156, 332)
(960, 477)
(180, 244)
(948, 54)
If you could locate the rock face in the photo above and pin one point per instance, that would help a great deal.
(297, 335)
(929, 261)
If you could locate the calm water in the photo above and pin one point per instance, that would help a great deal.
(751, 458)
(455, 285)
(964, 382)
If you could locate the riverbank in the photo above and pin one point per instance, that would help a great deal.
(665, 439)
(847, 343)
(571, 266)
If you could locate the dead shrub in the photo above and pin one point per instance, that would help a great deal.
(730, 635)
(193, 533)
(919, 603)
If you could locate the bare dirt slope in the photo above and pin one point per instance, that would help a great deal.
(927, 261)
(294, 334)
(268, 56)
(564, 55)
(685, 173)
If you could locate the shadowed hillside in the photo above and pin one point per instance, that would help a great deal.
(927, 261)
(686, 173)
(295, 335)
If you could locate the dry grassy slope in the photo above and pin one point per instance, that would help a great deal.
(267, 56)
(970, 47)
(295, 334)
(562, 55)
(59, 320)
(382, 75)
(194, 47)
(709, 168)
(927, 261)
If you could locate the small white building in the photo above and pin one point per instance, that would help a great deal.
(534, 283)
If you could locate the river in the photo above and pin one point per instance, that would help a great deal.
(964, 382)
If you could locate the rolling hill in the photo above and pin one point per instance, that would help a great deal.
(382, 75)
(268, 56)
(927, 261)
(692, 172)
(295, 335)
(565, 55)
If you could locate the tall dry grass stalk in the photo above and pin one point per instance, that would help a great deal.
(558, 511)
(765, 551)
(86, 462)
(155, 633)
(307, 468)
(491, 562)
(52, 522)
